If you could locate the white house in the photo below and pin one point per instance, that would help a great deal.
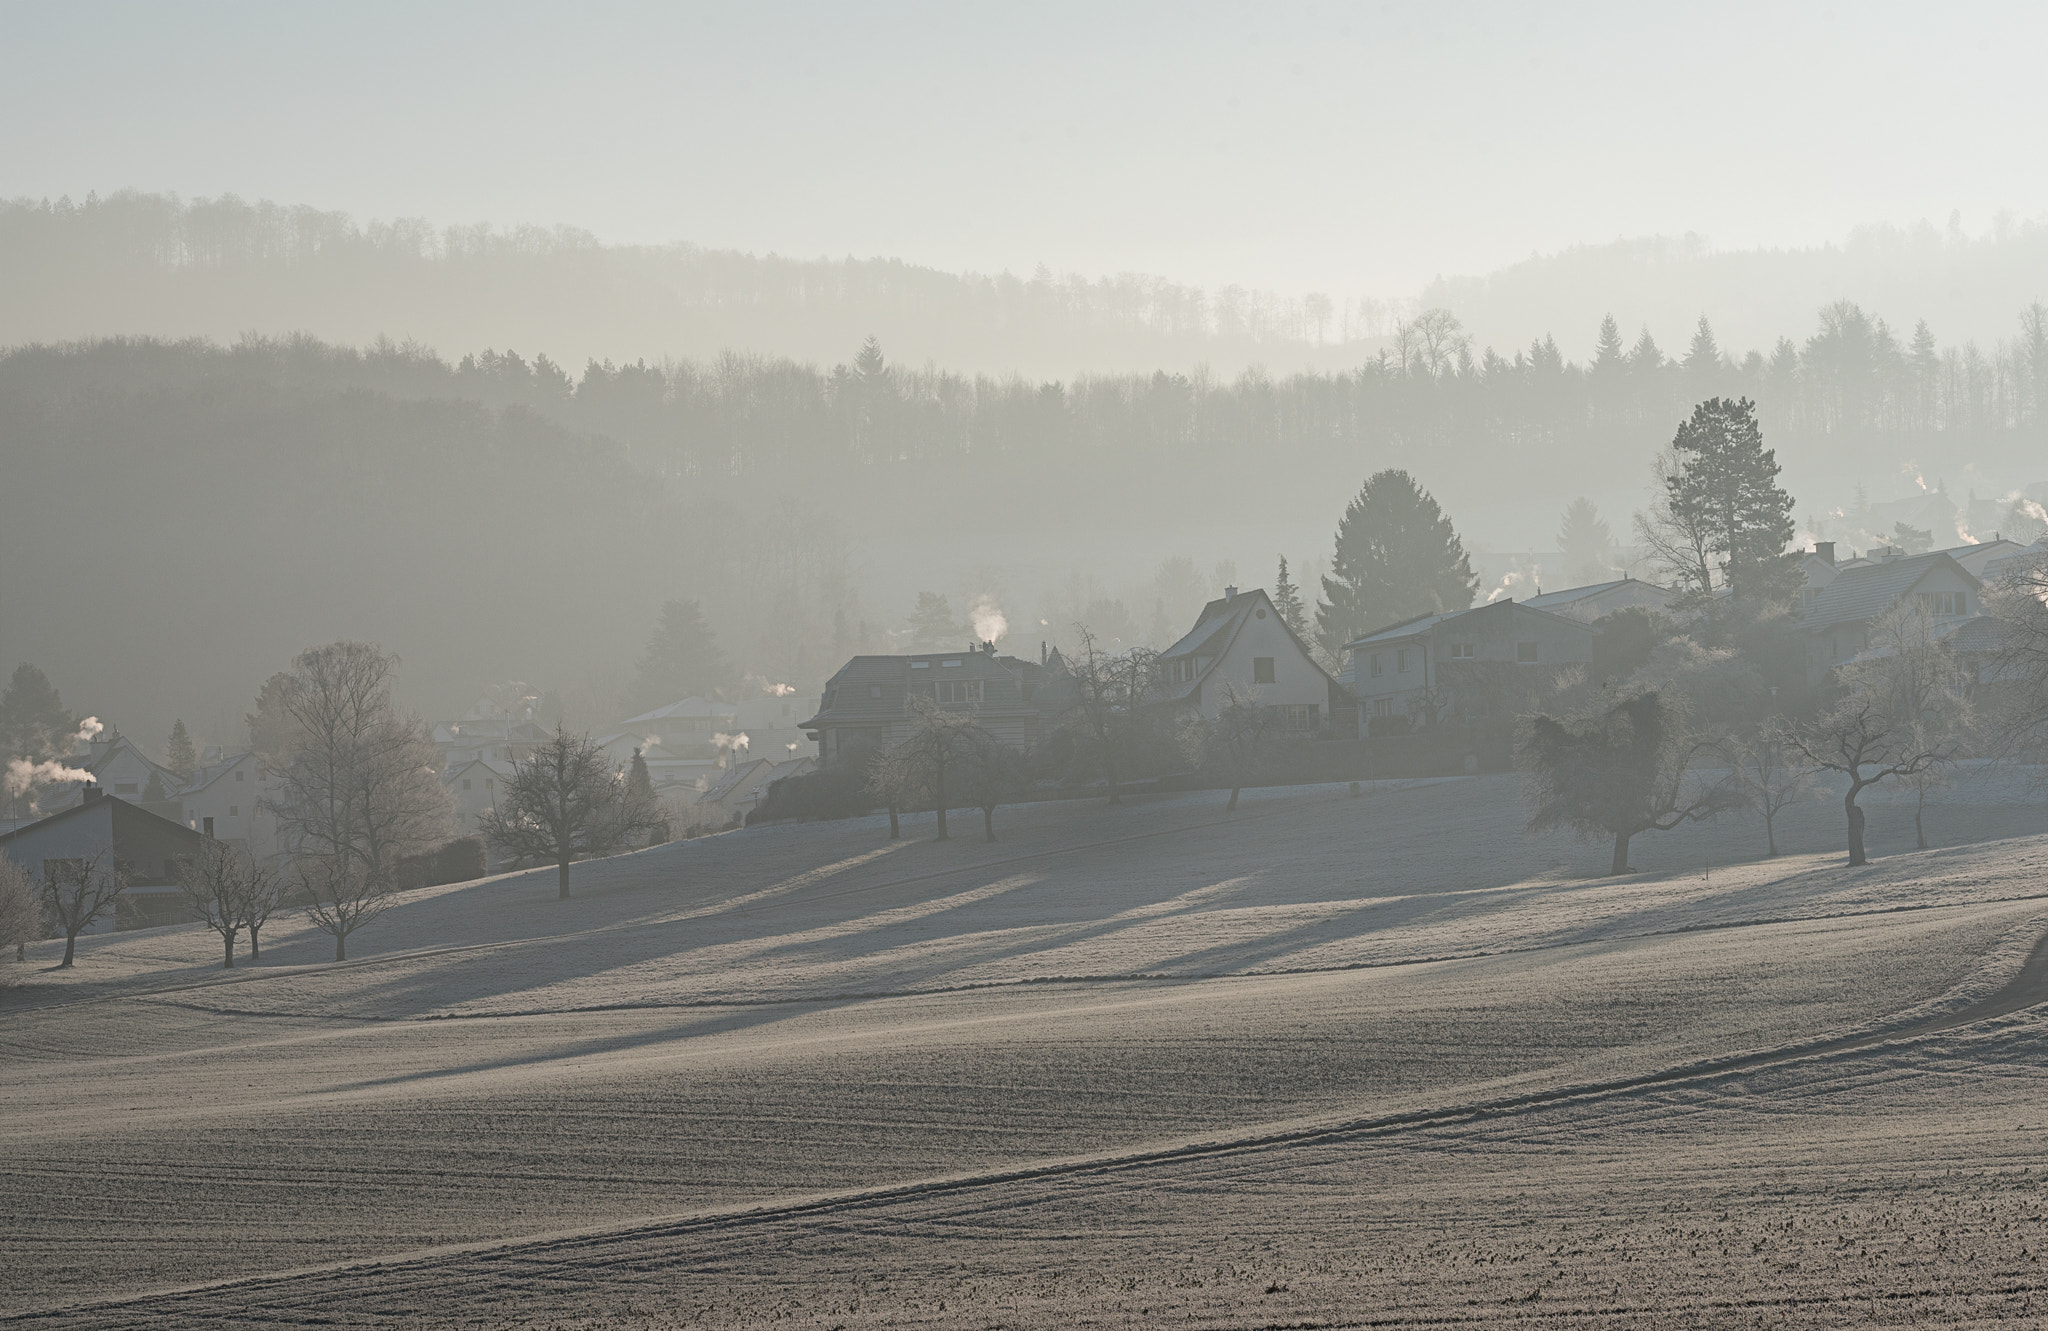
(1837, 621)
(224, 800)
(1240, 645)
(1419, 666)
(473, 788)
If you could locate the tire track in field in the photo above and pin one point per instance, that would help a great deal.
(502, 1266)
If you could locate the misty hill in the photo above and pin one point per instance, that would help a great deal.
(142, 264)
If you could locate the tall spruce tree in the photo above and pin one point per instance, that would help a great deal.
(682, 661)
(1703, 357)
(1287, 600)
(1723, 511)
(1397, 557)
(1609, 357)
(33, 722)
(1585, 542)
(180, 755)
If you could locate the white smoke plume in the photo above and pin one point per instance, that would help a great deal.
(736, 743)
(781, 690)
(23, 775)
(1522, 578)
(990, 624)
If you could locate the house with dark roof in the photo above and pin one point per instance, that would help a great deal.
(147, 849)
(1600, 599)
(1461, 664)
(866, 706)
(1240, 645)
(1837, 620)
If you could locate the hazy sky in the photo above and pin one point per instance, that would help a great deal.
(1356, 149)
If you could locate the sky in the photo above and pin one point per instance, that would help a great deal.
(1350, 149)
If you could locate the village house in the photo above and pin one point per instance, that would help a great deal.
(1240, 646)
(145, 848)
(735, 794)
(1460, 664)
(473, 789)
(224, 800)
(866, 705)
(1837, 620)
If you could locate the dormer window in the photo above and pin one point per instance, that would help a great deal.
(949, 665)
(921, 665)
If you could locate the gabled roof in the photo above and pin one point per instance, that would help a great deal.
(1574, 594)
(1215, 629)
(490, 765)
(739, 773)
(121, 811)
(212, 772)
(1863, 593)
(1422, 625)
(683, 707)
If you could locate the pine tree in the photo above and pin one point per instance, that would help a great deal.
(869, 364)
(181, 756)
(153, 791)
(1724, 507)
(1586, 543)
(1645, 357)
(933, 625)
(33, 722)
(1609, 360)
(682, 661)
(1287, 600)
(1703, 357)
(1397, 557)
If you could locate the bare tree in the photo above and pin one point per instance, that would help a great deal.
(1904, 711)
(21, 912)
(917, 770)
(1110, 690)
(1627, 768)
(1768, 776)
(2018, 672)
(222, 882)
(79, 891)
(266, 894)
(1235, 742)
(991, 774)
(566, 802)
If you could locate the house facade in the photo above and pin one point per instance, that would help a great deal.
(1838, 620)
(473, 788)
(1465, 664)
(225, 800)
(146, 848)
(1241, 647)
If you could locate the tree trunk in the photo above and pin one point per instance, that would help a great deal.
(70, 945)
(228, 961)
(1919, 830)
(255, 952)
(1856, 855)
(562, 883)
(341, 947)
(1771, 831)
(895, 831)
(988, 820)
(1232, 806)
(1620, 864)
(942, 812)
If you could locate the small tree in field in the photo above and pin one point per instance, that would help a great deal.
(21, 913)
(566, 802)
(991, 773)
(266, 893)
(1768, 777)
(925, 767)
(1904, 712)
(1235, 743)
(1625, 769)
(225, 885)
(340, 897)
(77, 892)
(1110, 690)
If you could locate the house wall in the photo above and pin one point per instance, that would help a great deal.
(1296, 680)
(1837, 643)
(144, 846)
(1492, 637)
(471, 804)
(233, 801)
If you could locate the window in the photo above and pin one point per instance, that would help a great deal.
(239, 774)
(124, 787)
(1461, 651)
(1401, 661)
(1525, 653)
(1180, 670)
(1382, 706)
(958, 690)
(1300, 716)
(920, 665)
(234, 811)
(950, 665)
(1262, 670)
(465, 783)
(1373, 665)
(1950, 603)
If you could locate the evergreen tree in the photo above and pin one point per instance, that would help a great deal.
(1703, 357)
(868, 362)
(933, 625)
(1645, 357)
(682, 661)
(1609, 360)
(153, 791)
(1287, 600)
(1723, 509)
(181, 756)
(1397, 557)
(1586, 543)
(33, 722)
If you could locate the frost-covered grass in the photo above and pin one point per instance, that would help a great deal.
(811, 1011)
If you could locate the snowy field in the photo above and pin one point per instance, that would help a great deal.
(1325, 1062)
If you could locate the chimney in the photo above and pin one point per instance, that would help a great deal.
(1825, 549)
(90, 792)
(1041, 651)
(1230, 593)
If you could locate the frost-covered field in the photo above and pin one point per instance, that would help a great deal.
(1331, 1061)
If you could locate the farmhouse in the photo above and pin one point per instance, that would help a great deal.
(1462, 664)
(1240, 646)
(1837, 621)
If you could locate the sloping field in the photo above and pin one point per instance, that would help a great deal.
(1385, 1055)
